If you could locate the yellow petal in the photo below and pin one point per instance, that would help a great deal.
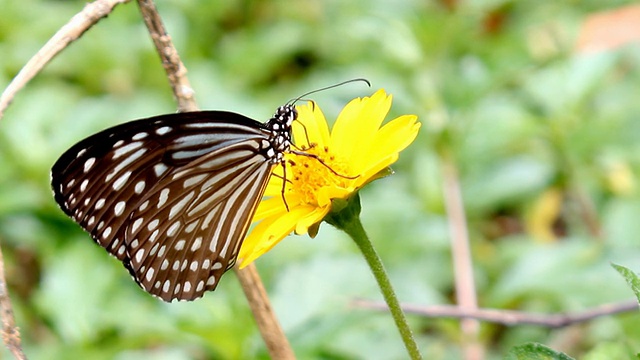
(358, 123)
(269, 207)
(311, 126)
(312, 218)
(269, 232)
(374, 169)
(389, 141)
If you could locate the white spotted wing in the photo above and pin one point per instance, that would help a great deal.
(171, 196)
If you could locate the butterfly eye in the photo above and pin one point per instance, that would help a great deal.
(172, 196)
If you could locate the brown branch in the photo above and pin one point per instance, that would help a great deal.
(176, 71)
(10, 332)
(270, 329)
(70, 32)
(462, 261)
(272, 334)
(507, 317)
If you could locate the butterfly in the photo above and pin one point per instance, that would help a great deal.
(172, 196)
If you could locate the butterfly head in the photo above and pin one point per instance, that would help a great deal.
(285, 116)
(280, 128)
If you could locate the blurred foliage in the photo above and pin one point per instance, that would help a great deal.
(532, 351)
(545, 141)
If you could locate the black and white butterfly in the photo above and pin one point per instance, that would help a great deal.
(172, 196)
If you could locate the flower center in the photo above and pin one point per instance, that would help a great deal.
(310, 174)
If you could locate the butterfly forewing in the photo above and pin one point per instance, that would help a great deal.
(170, 196)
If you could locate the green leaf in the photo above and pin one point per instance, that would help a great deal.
(533, 351)
(631, 277)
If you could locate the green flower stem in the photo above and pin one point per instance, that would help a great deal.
(348, 220)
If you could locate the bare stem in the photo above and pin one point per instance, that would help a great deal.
(67, 34)
(10, 332)
(175, 69)
(272, 333)
(462, 262)
(507, 317)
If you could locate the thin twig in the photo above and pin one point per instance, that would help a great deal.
(462, 262)
(272, 334)
(70, 32)
(10, 332)
(507, 317)
(176, 71)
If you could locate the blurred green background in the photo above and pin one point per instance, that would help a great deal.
(545, 141)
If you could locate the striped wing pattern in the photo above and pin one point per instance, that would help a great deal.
(172, 196)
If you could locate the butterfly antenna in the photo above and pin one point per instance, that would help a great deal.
(329, 87)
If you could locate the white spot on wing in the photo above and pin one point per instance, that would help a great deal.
(154, 249)
(193, 180)
(173, 229)
(124, 163)
(100, 204)
(139, 255)
(150, 274)
(125, 149)
(119, 183)
(190, 227)
(180, 204)
(159, 169)
(136, 225)
(83, 185)
(119, 208)
(139, 186)
(139, 136)
(196, 243)
(164, 195)
(163, 130)
(154, 235)
(88, 164)
(153, 224)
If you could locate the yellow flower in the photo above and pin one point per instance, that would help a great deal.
(353, 154)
